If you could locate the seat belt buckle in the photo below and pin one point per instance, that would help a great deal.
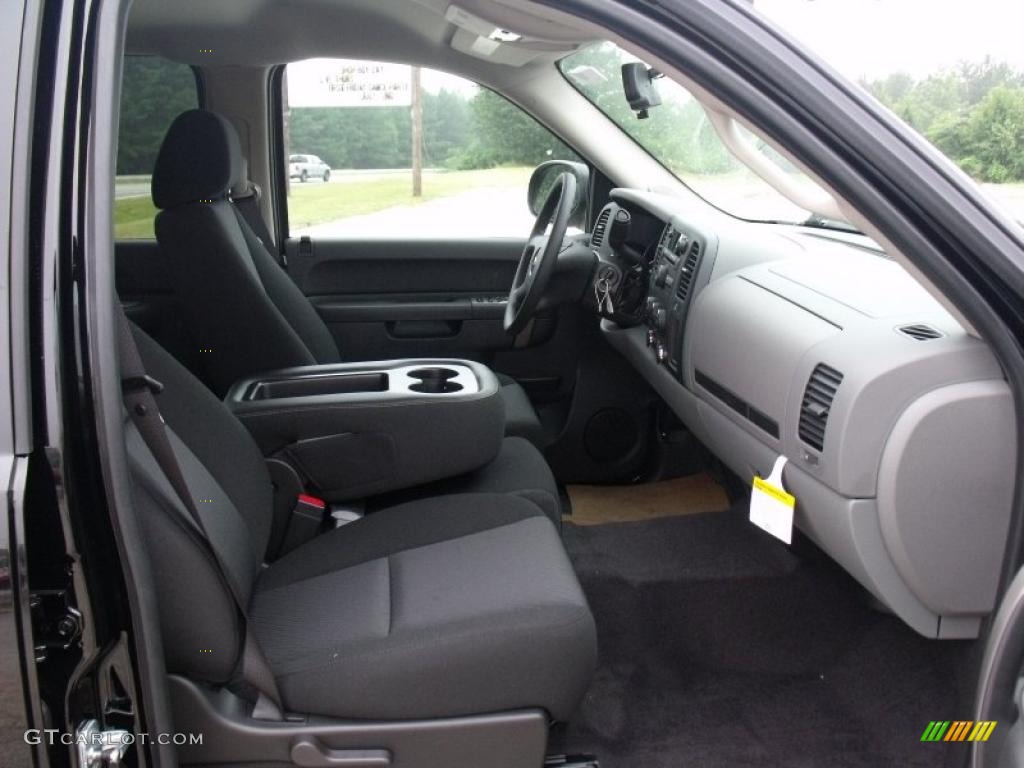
(135, 383)
(305, 523)
(311, 505)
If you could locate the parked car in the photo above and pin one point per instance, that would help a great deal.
(305, 167)
(717, 462)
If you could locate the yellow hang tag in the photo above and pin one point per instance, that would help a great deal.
(771, 506)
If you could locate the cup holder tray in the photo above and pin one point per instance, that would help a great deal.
(417, 378)
(435, 381)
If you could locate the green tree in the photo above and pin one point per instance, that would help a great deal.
(352, 137)
(447, 126)
(381, 137)
(677, 132)
(988, 142)
(973, 112)
(154, 91)
(503, 134)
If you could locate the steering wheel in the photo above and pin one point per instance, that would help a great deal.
(537, 263)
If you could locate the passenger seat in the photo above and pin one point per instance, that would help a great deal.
(442, 607)
(235, 297)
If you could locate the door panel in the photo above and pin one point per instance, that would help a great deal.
(391, 298)
(408, 265)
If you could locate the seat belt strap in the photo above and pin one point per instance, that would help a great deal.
(138, 391)
(248, 205)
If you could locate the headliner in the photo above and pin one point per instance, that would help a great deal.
(268, 32)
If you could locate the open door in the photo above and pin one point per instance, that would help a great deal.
(1001, 685)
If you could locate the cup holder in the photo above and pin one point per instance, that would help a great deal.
(434, 381)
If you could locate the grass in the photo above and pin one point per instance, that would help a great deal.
(314, 203)
(133, 218)
(354, 194)
(350, 195)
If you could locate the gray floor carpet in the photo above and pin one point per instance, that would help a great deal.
(719, 647)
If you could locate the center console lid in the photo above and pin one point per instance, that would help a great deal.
(358, 429)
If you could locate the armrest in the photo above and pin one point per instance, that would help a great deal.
(359, 429)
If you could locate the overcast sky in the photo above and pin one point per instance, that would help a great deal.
(873, 38)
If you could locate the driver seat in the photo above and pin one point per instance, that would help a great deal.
(236, 300)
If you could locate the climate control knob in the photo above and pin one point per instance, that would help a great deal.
(660, 353)
(660, 319)
(661, 276)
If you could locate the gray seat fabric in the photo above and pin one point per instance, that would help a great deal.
(518, 469)
(448, 606)
(467, 604)
(236, 300)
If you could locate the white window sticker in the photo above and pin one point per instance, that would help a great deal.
(771, 506)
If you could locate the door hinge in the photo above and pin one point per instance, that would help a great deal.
(98, 748)
(56, 624)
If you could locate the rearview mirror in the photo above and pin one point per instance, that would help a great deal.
(543, 179)
(638, 85)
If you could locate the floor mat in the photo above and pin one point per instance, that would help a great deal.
(602, 504)
(718, 647)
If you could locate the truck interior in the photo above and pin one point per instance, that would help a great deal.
(478, 498)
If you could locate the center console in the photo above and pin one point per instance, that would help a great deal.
(354, 430)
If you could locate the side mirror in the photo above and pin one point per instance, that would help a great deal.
(638, 85)
(543, 179)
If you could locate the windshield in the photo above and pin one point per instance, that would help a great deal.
(679, 135)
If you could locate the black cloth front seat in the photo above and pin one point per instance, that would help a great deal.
(450, 606)
(237, 301)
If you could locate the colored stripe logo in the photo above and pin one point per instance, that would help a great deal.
(958, 730)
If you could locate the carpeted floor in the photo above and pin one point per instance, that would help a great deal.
(718, 647)
(602, 504)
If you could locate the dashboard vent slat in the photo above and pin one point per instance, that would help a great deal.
(688, 271)
(920, 332)
(597, 237)
(817, 403)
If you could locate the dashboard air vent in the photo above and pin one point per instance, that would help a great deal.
(597, 237)
(817, 402)
(688, 271)
(920, 332)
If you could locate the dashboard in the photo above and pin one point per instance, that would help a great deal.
(771, 340)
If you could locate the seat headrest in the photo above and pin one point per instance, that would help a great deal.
(199, 159)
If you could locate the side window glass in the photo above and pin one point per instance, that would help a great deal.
(380, 149)
(154, 91)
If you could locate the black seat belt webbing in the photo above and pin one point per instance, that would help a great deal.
(138, 392)
(249, 207)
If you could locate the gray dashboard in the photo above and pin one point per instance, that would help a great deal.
(897, 424)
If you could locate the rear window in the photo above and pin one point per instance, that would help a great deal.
(154, 91)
